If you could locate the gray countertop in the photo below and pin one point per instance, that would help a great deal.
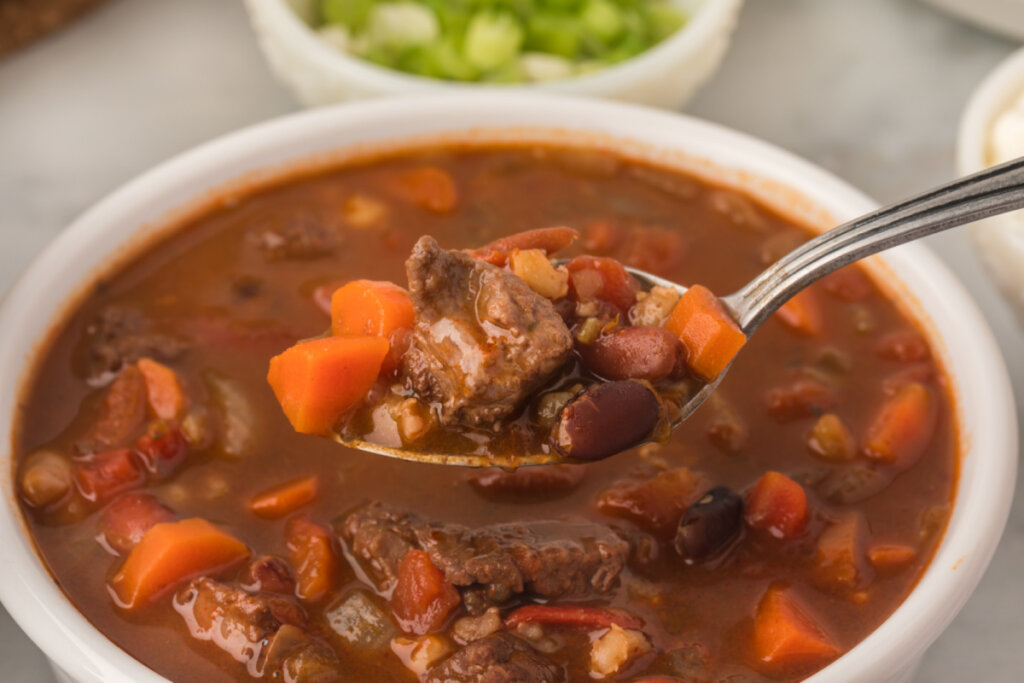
(871, 90)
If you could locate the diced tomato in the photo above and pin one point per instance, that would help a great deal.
(162, 448)
(124, 410)
(654, 249)
(658, 503)
(128, 518)
(428, 187)
(839, 562)
(617, 286)
(108, 473)
(785, 633)
(778, 505)
(312, 556)
(907, 346)
(601, 236)
(902, 427)
(570, 615)
(848, 284)
(802, 398)
(423, 598)
(802, 314)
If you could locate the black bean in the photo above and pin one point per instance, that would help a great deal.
(709, 524)
(606, 419)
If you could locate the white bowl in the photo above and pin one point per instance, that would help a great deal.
(667, 75)
(999, 239)
(984, 407)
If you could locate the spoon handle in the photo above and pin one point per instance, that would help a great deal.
(989, 192)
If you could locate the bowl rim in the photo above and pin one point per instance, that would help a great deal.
(706, 18)
(984, 489)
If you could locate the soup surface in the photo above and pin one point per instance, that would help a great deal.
(773, 531)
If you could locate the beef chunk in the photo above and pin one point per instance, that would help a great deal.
(500, 658)
(262, 631)
(119, 336)
(483, 339)
(549, 558)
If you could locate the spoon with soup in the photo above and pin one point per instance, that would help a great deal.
(502, 356)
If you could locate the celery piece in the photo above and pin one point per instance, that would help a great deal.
(401, 25)
(351, 13)
(663, 20)
(554, 33)
(538, 66)
(492, 39)
(603, 20)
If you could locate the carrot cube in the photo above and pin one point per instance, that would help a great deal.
(903, 426)
(707, 331)
(778, 505)
(171, 552)
(317, 381)
(786, 635)
(370, 308)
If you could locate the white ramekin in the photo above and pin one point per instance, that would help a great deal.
(999, 239)
(985, 411)
(667, 75)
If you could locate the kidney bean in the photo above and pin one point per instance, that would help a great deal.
(709, 524)
(607, 418)
(649, 353)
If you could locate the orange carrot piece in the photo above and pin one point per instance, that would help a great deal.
(423, 597)
(285, 498)
(428, 187)
(317, 381)
(903, 426)
(312, 556)
(778, 505)
(171, 552)
(802, 314)
(164, 393)
(786, 635)
(370, 308)
(548, 240)
(891, 558)
(709, 334)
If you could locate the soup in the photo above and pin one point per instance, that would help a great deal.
(180, 512)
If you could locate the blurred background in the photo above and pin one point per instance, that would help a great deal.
(871, 90)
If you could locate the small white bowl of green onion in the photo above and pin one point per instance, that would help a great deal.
(656, 52)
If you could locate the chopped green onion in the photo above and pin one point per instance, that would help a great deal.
(497, 41)
(493, 39)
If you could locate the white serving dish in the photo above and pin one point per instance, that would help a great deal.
(985, 412)
(999, 239)
(667, 75)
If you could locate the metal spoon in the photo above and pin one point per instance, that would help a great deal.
(987, 193)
